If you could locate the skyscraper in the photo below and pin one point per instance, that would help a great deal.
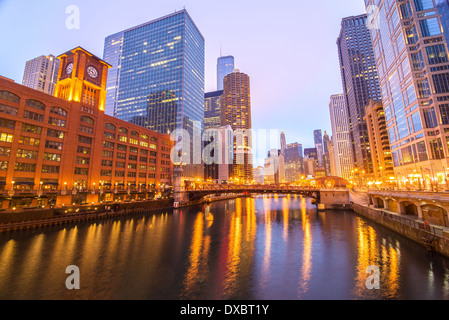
(212, 109)
(294, 162)
(360, 83)
(341, 137)
(225, 66)
(236, 112)
(157, 74)
(412, 60)
(41, 74)
(318, 139)
(282, 158)
(326, 142)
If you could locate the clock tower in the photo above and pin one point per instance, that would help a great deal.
(82, 78)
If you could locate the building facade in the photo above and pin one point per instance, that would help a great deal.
(293, 162)
(41, 74)
(236, 112)
(411, 54)
(380, 145)
(318, 140)
(225, 66)
(341, 141)
(63, 149)
(212, 109)
(360, 83)
(326, 142)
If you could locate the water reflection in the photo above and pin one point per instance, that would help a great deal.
(268, 247)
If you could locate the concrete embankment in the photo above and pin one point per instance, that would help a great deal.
(11, 221)
(415, 230)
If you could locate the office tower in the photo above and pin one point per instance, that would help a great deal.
(341, 140)
(360, 83)
(332, 160)
(293, 162)
(318, 139)
(236, 112)
(271, 167)
(258, 174)
(158, 69)
(218, 154)
(380, 145)
(212, 109)
(412, 60)
(310, 165)
(326, 142)
(113, 46)
(311, 153)
(443, 10)
(41, 74)
(225, 66)
(68, 150)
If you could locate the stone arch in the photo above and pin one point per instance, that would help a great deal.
(391, 204)
(435, 214)
(408, 208)
(378, 202)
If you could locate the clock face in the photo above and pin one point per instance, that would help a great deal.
(69, 68)
(92, 72)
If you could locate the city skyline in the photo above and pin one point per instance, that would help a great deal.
(280, 74)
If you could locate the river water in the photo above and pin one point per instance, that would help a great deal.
(262, 248)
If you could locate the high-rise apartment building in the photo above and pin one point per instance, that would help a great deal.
(157, 75)
(342, 145)
(212, 109)
(360, 83)
(236, 112)
(225, 66)
(411, 53)
(380, 145)
(41, 74)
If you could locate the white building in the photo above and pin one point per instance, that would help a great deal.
(41, 74)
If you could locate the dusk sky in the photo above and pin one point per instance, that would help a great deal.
(288, 48)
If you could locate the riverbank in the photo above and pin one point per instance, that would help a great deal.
(35, 218)
(434, 239)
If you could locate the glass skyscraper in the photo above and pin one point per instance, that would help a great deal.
(212, 109)
(412, 61)
(157, 75)
(225, 66)
(360, 83)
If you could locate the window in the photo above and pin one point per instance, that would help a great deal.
(35, 104)
(437, 54)
(423, 5)
(108, 144)
(6, 123)
(134, 133)
(106, 163)
(144, 144)
(59, 111)
(55, 134)
(106, 173)
(52, 157)
(8, 110)
(132, 158)
(33, 116)
(153, 139)
(121, 155)
(132, 166)
(86, 119)
(88, 130)
(430, 27)
(82, 160)
(56, 122)
(27, 154)
(143, 159)
(83, 139)
(122, 138)
(121, 147)
(109, 126)
(119, 164)
(5, 151)
(6, 137)
(430, 118)
(108, 154)
(133, 141)
(9, 96)
(144, 136)
(31, 128)
(123, 130)
(4, 165)
(436, 148)
(82, 171)
(133, 150)
(53, 145)
(50, 169)
(119, 173)
(132, 174)
(153, 146)
(29, 141)
(441, 82)
(109, 135)
(26, 167)
(84, 150)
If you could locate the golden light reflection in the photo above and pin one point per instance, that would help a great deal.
(251, 221)
(267, 252)
(7, 259)
(383, 256)
(307, 252)
(285, 213)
